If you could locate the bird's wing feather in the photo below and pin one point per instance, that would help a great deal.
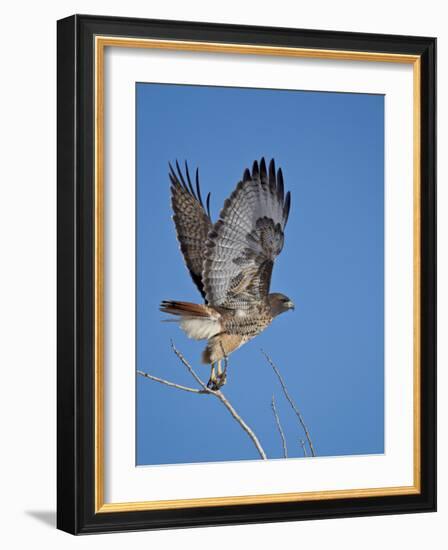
(243, 244)
(192, 221)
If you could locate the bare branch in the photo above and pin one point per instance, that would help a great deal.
(291, 402)
(206, 390)
(168, 383)
(190, 368)
(240, 421)
(280, 429)
(302, 442)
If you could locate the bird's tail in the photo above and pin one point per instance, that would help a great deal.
(184, 309)
(198, 321)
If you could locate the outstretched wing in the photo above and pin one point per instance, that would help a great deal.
(241, 248)
(192, 221)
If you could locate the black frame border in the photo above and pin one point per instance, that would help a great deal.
(75, 270)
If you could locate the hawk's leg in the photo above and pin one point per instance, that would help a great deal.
(222, 375)
(217, 380)
(213, 380)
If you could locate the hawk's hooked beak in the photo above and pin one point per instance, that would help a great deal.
(291, 305)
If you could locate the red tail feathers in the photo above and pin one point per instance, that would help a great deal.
(184, 309)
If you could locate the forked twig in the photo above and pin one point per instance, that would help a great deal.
(280, 429)
(291, 402)
(205, 390)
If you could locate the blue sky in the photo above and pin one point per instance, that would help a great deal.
(330, 349)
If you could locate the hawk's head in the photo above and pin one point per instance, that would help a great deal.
(279, 303)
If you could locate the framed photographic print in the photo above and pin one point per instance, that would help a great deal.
(246, 274)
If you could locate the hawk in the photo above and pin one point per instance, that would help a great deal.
(230, 261)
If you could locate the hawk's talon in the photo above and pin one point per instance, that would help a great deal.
(221, 379)
(217, 382)
(211, 384)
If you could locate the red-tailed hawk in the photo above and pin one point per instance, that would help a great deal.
(230, 261)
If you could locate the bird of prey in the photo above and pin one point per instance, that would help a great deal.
(230, 261)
